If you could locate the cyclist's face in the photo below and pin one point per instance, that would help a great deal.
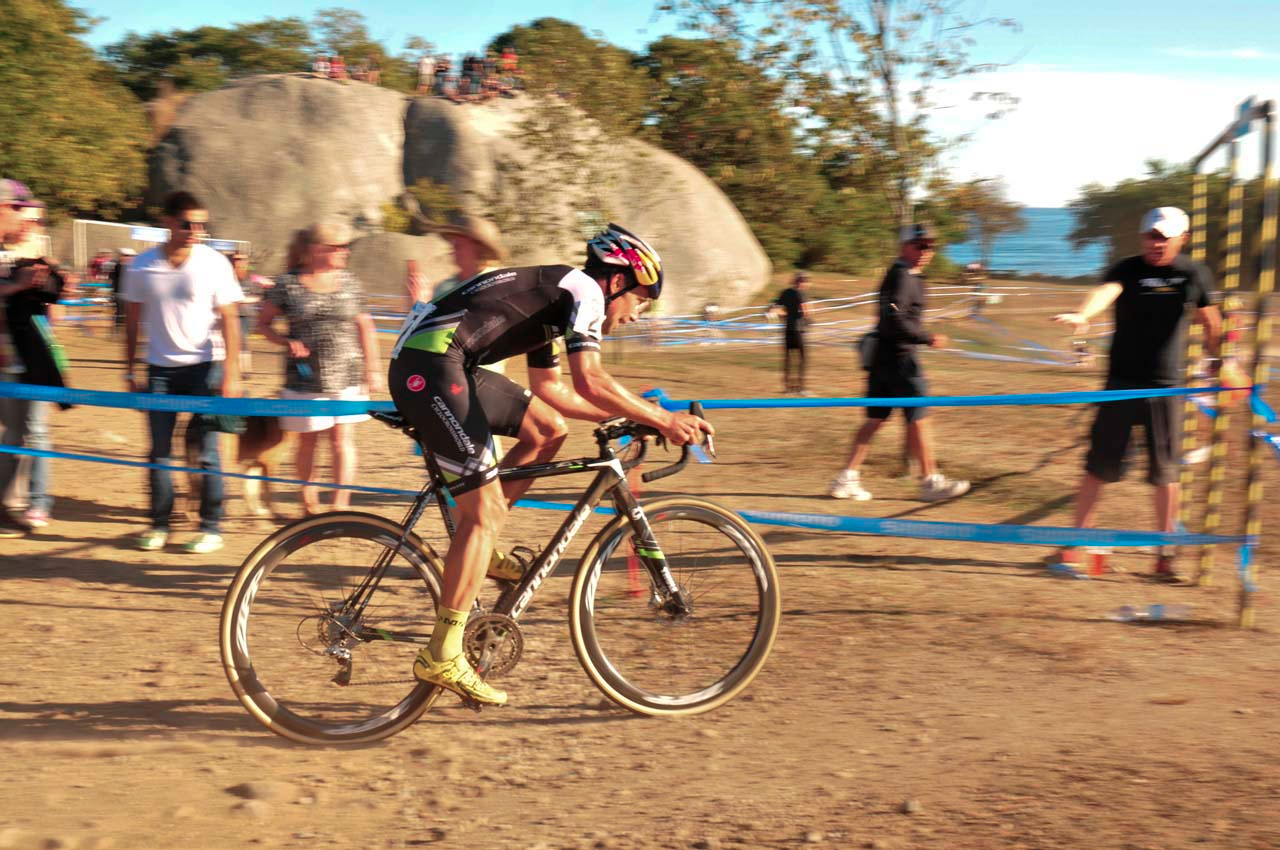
(627, 307)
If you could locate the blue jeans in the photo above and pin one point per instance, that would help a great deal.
(202, 379)
(26, 425)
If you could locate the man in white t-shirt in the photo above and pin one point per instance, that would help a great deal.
(187, 295)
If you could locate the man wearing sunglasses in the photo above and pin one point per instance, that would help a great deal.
(894, 372)
(187, 295)
(437, 384)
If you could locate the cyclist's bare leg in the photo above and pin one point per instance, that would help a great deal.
(479, 516)
(542, 433)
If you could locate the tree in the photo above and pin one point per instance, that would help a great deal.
(1110, 214)
(865, 72)
(69, 129)
(559, 60)
(205, 58)
(984, 206)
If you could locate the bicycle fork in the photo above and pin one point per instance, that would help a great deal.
(667, 596)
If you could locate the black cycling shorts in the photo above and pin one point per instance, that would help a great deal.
(1161, 419)
(902, 378)
(457, 411)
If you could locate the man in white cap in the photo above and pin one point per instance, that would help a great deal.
(1152, 292)
(894, 372)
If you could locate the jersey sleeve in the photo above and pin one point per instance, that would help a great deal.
(586, 324)
(546, 357)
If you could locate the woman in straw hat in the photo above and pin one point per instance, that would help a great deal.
(332, 348)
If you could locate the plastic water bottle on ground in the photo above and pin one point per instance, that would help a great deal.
(1150, 613)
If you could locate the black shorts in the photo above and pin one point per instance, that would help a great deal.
(901, 379)
(457, 411)
(1161, 418)
(793, 338)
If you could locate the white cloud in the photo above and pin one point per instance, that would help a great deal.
(1076, 127)
(1229, 53)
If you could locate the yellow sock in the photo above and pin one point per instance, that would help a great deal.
(446, 640)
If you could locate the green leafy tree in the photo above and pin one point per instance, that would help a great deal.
(344, 31)
(1110, 214)
(983, 205)
(69, 129)
(559, 60)
(865, 77)
(205, 58)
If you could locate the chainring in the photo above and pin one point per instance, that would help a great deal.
(493, 643)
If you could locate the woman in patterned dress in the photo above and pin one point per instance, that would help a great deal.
(332, 347)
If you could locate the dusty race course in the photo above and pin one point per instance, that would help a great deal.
(920, 693)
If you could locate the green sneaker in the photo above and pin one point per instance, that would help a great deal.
(456, 675)
(153, 540)
(204, 544)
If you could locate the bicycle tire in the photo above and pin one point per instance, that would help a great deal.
(650, 663)
(292, 687)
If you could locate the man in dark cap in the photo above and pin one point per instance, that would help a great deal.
(794, 309)
(894, 372)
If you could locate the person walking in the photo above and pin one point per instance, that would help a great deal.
(795, 313)
(332, 349)
(1154, 294)
(895, 372)
(186, 294)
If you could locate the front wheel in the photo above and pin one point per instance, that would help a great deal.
(651, 661)
(303, 660)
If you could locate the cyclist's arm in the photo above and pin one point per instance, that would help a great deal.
(598, 387)
(548, 385)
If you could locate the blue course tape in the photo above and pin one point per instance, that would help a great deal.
(1270, 439)
(661, 397)
(919, 529)
(1032, 535)
(140, 464)
(192, 403)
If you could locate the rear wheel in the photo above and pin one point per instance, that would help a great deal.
(301, 660)
(651, 661)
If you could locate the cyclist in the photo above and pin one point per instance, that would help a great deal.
(457, 408)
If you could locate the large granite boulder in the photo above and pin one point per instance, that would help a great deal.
(274, 153)
(380, 261)
(271, 154)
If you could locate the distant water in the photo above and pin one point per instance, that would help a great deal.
(1042, 248)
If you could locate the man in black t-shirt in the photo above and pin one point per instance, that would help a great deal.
(1154, 293)
(795, 311)
(895, 373)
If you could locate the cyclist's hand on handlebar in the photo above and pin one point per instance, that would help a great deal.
(687, 428)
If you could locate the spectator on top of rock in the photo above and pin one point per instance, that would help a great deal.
(320, 67)
(337, 67)
(426, 73)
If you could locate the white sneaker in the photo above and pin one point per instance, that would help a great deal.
(847, 486)
(1196, 456)
(936, 488)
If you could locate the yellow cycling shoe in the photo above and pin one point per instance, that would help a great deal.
(456, 675)
(510, 567)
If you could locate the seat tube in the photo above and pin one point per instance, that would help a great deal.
(647, 549)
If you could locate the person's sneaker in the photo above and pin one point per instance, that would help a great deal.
(153, 540)
(10, 529)
(203, 544)
(848, 486)
(35, 518)
(457, 675)
(1196, 456)
(938, 487)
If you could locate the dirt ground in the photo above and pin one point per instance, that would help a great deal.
(921, 694)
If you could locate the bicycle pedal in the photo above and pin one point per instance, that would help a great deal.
(474, 705)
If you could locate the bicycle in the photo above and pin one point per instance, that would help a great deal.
(674, 628)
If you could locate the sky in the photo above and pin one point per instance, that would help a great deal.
(1103, 85)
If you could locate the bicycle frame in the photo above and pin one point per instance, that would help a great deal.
(610, 480)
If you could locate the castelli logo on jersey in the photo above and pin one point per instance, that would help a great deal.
(416, 383)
